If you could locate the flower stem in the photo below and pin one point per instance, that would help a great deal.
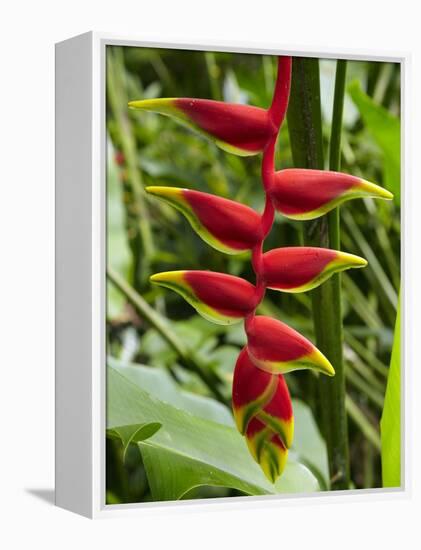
(279, 105)
(305, 128)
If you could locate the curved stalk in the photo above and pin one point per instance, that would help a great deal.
(186, 355)
(138, 229)
(305, 128)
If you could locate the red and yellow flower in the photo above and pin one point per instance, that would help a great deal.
(240, 129)
(277, 348)
(218, 297)
(263, 413)
(226, 225)
(302, 268)
(261, 401)
(302, 194)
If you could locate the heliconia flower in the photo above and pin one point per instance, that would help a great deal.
(240, 129)
(260, 394)
(226, 225)
(218, 297)
(277, 348)
(302, 194)
(260, 398)
(302, 268)
(267, 449)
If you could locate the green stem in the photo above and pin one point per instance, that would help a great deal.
(213, 72)
(137, 219)
(185, 354)
(305, 128)
(338, 107)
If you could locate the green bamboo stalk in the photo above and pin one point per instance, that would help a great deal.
(305, 128)
(305, 131)
(185, 354)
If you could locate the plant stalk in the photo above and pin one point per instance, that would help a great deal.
(305, 128)
(187, 357)
(138, 227)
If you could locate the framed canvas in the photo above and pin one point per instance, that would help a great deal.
(229, 275)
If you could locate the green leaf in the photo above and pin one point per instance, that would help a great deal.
(385, 129)
(172, 475)
(189, 451)
(158, 383)
(390, 425)
(133, 433)
(309, 444)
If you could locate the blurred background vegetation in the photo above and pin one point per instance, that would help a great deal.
(146, 236)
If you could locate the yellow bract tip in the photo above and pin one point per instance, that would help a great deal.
(321, 363)
(167, 277)
(164, 106)
(351, 260)
(375, 190)
(165, 192)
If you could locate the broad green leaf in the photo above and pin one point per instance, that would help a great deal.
(390, 425)
(133, 433)
(309, 446)
(189, 451)
(308, 443)
(183, 473)
(158, 382)
(385, 129)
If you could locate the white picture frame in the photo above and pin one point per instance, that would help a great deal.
(81, 269)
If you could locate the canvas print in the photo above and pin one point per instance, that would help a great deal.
(253, 279)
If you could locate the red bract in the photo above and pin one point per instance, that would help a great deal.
(226, 225)
(277, 348)
(302, 268)
(239, 129)
(267, 449)
(307, 194)
(244, 128)
(220, 298)
(257, 393)
(261, 402)
(251, 389)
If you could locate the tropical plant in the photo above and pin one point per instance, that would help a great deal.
(170, 381)
(261, 401)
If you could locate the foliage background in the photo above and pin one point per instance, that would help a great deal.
(145, 236)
